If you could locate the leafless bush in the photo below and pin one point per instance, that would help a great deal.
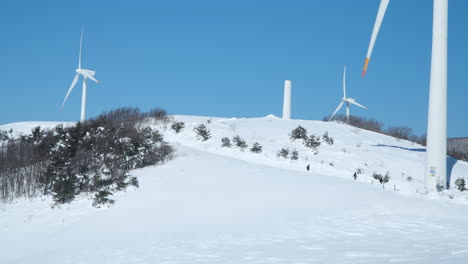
(361, 122)
(400, 132)
(159, 115)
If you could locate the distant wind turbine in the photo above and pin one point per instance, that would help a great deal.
(436, 152)
(346, 100)
(87, 74)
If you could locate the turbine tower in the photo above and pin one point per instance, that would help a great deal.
(287, 100)
(436, 151)
(87, 74)
(346, 100)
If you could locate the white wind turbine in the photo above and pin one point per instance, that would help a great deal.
(87, 74)
(346, 100)
(436, 151)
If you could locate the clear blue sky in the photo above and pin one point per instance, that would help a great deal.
(228, 58)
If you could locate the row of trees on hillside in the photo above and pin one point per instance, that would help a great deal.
(94, 157)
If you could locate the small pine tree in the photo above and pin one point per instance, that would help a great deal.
(298, 133)
(409, 179)
(178, 126)
(294, 155)
(239, 142)
(256, 148)
(386, 178)
(377, 176)
(328, 139)
(283, 153)
(226, 142)
(311, 142)
(102, 197)
(440, 187)
(202, 132)
(461, 184)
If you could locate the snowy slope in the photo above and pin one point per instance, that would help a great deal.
(353, 149)
(216, 205)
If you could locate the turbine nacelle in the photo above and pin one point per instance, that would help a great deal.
(85, 72)
(353, 101)
(89, 74)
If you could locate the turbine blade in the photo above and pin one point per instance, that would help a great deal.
(337, 109)
(356, 103)
(92, 78)
(75, 80)
(378, 22)
(81, 44)
(344, 82)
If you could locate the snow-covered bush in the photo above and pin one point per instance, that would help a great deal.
(298, 133)
(202, 133)
(382, 179)
(409, 179)
(386, 178)
(239, 142)
(256, 148)
(311, 142)
(440, 187)
(294, 155)
(177, 126)
(283, 153)
(328, 139)
(226, 142)
(377, 176)
(461, 184)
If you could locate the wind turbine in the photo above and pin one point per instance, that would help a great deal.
(87, 74)
(436, 151)
(346, 100)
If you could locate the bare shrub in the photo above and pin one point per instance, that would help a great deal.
(400, 132)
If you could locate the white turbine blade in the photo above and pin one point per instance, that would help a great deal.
(356, 103)
(337, 109)
(92, 78)
(375, 32)
(81, 44)
(344, 82)
(75, 80)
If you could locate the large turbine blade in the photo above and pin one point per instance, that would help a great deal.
(337, 109)
(75, 80)
(81, 44)
(375, 32)
(356, 103)
(344, 82)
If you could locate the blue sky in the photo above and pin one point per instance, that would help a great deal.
(228, 58)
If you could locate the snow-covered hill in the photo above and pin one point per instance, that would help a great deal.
(224, 205)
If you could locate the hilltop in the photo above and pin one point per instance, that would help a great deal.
(227, 205)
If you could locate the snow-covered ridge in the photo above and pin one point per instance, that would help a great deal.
(353, 149)
(221, 205)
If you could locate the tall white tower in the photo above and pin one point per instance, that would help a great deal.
(287, 100)
(436, 155)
